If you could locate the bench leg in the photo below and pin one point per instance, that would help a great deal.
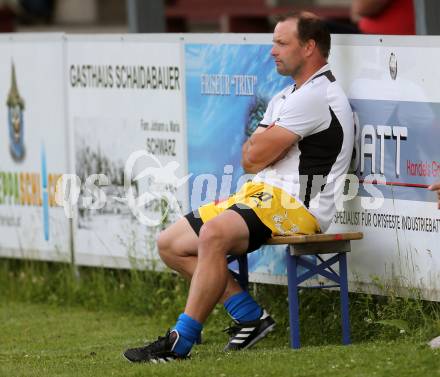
(243, 271)
(242, 276)
(344, 298)
(292, 286)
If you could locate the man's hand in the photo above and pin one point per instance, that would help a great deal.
(265, 147)
(436, 187)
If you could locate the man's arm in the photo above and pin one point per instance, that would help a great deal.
(265, 147)
(436, 187)
(244, 150)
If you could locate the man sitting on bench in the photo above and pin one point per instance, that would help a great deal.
(302, 146)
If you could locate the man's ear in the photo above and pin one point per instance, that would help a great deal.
(310, 46)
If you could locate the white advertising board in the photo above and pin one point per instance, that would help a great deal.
(33, 147)
(126, 119)
(129, 102)
(392, 84)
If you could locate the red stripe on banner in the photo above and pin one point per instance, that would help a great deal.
(401, 184)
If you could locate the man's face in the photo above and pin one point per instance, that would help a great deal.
(287, 49)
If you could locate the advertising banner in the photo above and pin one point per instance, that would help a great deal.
(396, 156)
(127, 135)
(33, 148)
(228, 87)
(155, 126)
(392, 90)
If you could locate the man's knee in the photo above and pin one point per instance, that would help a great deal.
(165, 245)
(178, 240)
(212, 238)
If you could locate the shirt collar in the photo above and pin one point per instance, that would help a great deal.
(324, 68)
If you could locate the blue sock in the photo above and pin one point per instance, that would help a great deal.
(242, 307)
(189, 330)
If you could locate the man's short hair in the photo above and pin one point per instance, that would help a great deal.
(309, 27)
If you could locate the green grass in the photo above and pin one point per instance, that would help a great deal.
(54, 322)
(48, 340)
(163, 295)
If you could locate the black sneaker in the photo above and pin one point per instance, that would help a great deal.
(245, 334)
(160, 351)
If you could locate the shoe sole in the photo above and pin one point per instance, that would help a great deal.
(152, 361)
(266, 331)
(128, 360)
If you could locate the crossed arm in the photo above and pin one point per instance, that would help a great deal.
(266, 146)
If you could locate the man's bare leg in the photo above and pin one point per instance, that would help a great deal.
(210, 280)
(178, 246)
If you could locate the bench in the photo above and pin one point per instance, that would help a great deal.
(298, 252)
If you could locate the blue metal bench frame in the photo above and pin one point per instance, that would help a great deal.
(298, 254)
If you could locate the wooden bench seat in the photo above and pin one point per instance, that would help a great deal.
(314, 238)
(317, 243)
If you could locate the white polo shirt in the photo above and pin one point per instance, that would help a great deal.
(318, 112)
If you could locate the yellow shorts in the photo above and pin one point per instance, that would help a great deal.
(267, 210)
